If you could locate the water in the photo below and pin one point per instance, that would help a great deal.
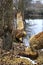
(32, 27)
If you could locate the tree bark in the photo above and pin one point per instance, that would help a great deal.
(6, 22)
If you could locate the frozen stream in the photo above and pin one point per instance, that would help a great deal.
(32, 27)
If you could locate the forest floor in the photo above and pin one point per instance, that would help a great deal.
(19, 57)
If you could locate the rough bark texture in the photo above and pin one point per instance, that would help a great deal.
(36, 42)
(6, 21)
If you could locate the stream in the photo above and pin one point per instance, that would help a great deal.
(32, 27)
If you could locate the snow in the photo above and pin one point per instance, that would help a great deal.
(33, 62)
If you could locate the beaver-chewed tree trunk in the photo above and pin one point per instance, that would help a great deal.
(6, 22)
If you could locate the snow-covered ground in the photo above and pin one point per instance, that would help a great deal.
(33, 62)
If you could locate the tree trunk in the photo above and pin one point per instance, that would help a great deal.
(6, 22)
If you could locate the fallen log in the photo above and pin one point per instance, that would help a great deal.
(36, 41)
(31, 54)
(34, 56)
